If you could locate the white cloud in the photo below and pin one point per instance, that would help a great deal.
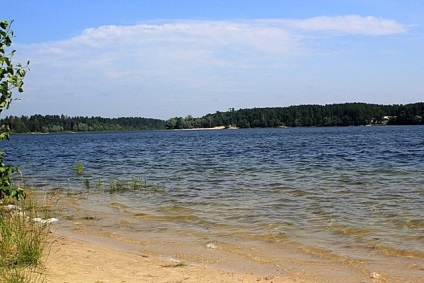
(138, 67)
(190, 45)
(351, 24)
(172, 53)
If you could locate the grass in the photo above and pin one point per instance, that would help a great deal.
(118, 185)
(79, 168)
(87, 184)
(22, 243)
(22, 275)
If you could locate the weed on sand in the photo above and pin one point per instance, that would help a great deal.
(23, 242)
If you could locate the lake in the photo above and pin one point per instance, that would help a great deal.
(355, 193)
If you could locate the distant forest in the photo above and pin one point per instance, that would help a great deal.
(62, 123)
(347, 114)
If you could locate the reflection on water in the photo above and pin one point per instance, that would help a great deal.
(354, 192)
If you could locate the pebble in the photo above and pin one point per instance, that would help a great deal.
(45, 221)
(211, 246)
(376, 275)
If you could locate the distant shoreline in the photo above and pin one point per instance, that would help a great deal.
(209, 129)
(332, 115)
(201, 129)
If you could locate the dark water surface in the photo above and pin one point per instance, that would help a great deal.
(355, 192)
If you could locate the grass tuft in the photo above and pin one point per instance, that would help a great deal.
(117, 185)
(79, 168)
(22, 243)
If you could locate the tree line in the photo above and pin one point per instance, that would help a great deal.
(61, 123)
(347, 114)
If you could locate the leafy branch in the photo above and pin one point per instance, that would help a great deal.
(11, 78)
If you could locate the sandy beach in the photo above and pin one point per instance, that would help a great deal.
(79, 252)
(73, 260)
(82, 251)
(85, 258)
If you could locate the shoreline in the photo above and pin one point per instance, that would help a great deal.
(76, 257)
(209, 129)
(83, 258)
(88, 247)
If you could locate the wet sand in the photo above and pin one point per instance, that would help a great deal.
(86, 258)
(76, 260)
(83, 251)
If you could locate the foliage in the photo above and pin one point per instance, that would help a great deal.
(347, 114)
(117, 185)
(61, 123)
(11, 77)
(6, 188)
(23, 242)
(79, 168)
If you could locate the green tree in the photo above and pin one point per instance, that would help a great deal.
(11, 78)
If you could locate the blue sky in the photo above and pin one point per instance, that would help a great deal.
(164, 59)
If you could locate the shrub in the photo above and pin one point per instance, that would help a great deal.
(22, 242)
(11, 77)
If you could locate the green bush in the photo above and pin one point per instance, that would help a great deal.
(11, 77)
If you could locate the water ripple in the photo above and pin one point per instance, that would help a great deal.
(343, 189)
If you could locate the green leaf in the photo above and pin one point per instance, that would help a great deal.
(11, 76)
(4, 24)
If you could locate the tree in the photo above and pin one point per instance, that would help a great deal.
(11, 78)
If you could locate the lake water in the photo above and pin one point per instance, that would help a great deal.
(355, 192)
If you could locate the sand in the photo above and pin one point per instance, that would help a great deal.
(81, 252)
(74, 260)
(87, 258)
(77, 253)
